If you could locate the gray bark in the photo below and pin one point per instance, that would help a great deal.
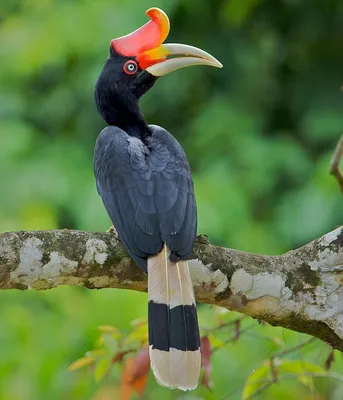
(300, 290)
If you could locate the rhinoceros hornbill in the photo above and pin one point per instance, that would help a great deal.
(144, 180)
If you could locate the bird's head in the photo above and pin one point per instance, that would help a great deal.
(137, 60)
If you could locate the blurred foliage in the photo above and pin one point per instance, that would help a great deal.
(258, 135)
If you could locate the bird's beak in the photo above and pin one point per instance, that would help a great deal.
(157, 63)
(145, 44)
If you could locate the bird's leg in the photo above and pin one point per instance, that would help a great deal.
(112, 230)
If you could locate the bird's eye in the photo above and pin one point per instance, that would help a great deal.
(130, 67)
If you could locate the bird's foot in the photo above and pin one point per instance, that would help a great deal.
(113, 230)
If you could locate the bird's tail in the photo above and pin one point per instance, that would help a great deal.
(174, 340)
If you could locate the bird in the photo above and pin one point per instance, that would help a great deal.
(143, 178)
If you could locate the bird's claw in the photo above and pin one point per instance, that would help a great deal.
(112, 230)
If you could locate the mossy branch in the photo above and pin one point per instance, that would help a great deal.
(300, 290)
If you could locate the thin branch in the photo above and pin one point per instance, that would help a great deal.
(330, 375)
(261, 389)
(335, 161)
(292, 349)
(329, 361)
(225, 325)
(235, 337)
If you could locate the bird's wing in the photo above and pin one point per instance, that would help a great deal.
(125, 184)
(174, 194)
(147, 192)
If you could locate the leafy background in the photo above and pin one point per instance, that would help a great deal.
(258, 135)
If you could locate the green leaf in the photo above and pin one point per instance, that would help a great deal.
(101, 369)
(96, 354)
(263, 374)
(215, 341)
(110, 330)
(139, 334)
(80, 363)
(300, 368)
(110, 342)
(256, 379)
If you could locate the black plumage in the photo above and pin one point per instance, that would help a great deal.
(180, 317)
(144, 181)
(147, 190)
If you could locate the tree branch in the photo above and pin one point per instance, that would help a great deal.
(300, 290)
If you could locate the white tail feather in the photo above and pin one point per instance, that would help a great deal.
(158, 285)
(170, 283)
(176, 369)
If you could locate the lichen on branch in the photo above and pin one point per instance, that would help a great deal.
(301, 290)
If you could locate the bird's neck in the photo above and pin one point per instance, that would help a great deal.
(132, 122)
(122, 112)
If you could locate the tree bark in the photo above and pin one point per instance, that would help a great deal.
(301, 290)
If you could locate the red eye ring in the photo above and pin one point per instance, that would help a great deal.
(130, 67)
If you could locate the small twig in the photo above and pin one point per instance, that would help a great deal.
(329, 361)
(335, 161)
(292, 349)
(237, 330)
(233, 391)
(225, 324)
(119, 356)
(273, 370)
(234, 338)
(330, 375)
(261, 389)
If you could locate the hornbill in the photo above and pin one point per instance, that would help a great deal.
(144, 180)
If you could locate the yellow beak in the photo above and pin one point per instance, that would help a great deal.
(182, 56)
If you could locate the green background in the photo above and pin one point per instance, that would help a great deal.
(258, 134)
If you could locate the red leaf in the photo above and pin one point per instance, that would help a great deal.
(135, 374)
(206, 353)
(119, 356)
(125, 384)
(142, 364)
(330, 360)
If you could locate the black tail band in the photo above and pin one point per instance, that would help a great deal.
(173, 328)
